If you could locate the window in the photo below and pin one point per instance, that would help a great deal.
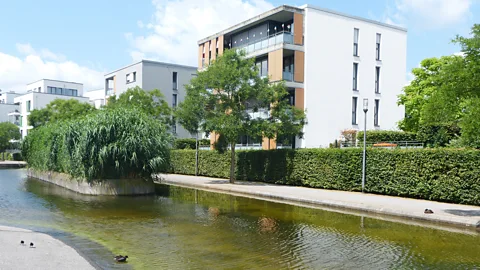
(262, 65)
(375, 112)
(174, 100)
(355, 76)
(75, 93)
(174, 79)
(59, 91)
(377, 80)
(131, 77)
(354, 110)
(356, 32)
(29, 105)
(39, 89)
(174, 126)
(377, 54)
(68, 92)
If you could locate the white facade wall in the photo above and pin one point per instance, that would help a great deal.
(41, 86)
(8, 97)
(96, 97)
(5, 109)
(37, 101)
(152, 75)
(328, 44)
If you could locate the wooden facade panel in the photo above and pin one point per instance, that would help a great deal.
(200, 53)
(213, 48)
(299, 65)
(220, 45)
(269, 144)
(275, 65)
(298, 29)
(207, 52)
(300, 98)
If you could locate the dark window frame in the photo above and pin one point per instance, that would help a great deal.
(356, 36)
(355, 76)
(354, 110)
(376, 111)
(377, 46)
(377, 80)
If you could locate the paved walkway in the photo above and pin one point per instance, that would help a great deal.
(454, 214)
(8, 164)
(49, 253)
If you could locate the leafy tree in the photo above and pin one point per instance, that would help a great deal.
(150, 102)
(229, 89)
(191, 114)
(59, 109)
(8, 131)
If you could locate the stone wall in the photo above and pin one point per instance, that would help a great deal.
(96, 187)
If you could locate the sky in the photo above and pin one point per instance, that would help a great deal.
(82, 40)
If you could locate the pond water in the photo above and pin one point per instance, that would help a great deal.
(182, 228)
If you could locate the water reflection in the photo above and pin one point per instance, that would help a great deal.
(192, 229)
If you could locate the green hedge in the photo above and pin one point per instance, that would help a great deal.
(189, 143)
(376, 136)
(108, 144)
(434, 174)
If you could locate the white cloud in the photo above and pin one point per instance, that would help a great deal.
(176, 26)
(429, 13)
(16, 72)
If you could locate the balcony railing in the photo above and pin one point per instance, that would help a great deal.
(288, 76)
(110, 91)
(261, 113)
(278, 38)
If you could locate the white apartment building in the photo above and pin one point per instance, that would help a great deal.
(7, 106)
(96, 97)
(170, 79)
(41, 93)
(329, 61)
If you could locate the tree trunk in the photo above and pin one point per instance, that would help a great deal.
(196, 154)
(232, 165)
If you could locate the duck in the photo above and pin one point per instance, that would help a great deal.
(428, 211)
(22, 242)
(32, 245)
(121, 258)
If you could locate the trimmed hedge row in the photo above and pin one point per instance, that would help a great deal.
(189, 143)
(434, 174)
(376, 136)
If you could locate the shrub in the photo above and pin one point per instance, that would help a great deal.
(109, 144)
(189, 143)
(448, 175)
(438, 135)
(376, 136)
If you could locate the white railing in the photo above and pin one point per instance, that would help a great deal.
(390, 144)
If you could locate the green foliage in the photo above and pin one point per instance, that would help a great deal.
(437, 135)
(58, 110)
(191, 112)
(8, 131)
(150, 102)
(376, 136)
(189, 143)
(448, 175)
(110, 144)
(228, 89)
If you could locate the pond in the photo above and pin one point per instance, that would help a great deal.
(181, 228)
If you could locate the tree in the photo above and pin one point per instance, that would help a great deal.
(230, 89)
(428, 80)
(8, 132)
(59, 109)
(150, 102)
(191, 114)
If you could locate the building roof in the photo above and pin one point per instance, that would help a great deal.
(152, 62)
(54, 81)
(300, 9)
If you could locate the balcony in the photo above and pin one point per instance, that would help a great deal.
(110, 91)
(288, 76)
(259, 114)
(14, 113)
(278, 38)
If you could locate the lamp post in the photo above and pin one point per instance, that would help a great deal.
(365, 110)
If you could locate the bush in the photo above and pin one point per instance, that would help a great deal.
(448, 175)
(376, 136)
(109, 144)
(189, 143)
(438, 135)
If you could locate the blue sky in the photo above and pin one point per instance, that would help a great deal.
(82, 40)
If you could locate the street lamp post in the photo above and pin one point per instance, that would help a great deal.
(365, 110)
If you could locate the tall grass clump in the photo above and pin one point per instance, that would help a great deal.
(109, 144)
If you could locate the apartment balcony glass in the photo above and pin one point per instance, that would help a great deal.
(288, 76)
(272, 40)
(263, 113)
(110, 91)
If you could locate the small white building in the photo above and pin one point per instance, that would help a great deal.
(96, 97)
(7, 106)
(41, 93)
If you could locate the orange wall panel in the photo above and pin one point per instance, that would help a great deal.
(299, 66)
(300, 98)
(213, 46)
(275, 65)
(200, 52)
(298, 28)
(220, 45)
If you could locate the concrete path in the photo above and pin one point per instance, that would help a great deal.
(49, 253)
(8, 164)
(454, 214)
